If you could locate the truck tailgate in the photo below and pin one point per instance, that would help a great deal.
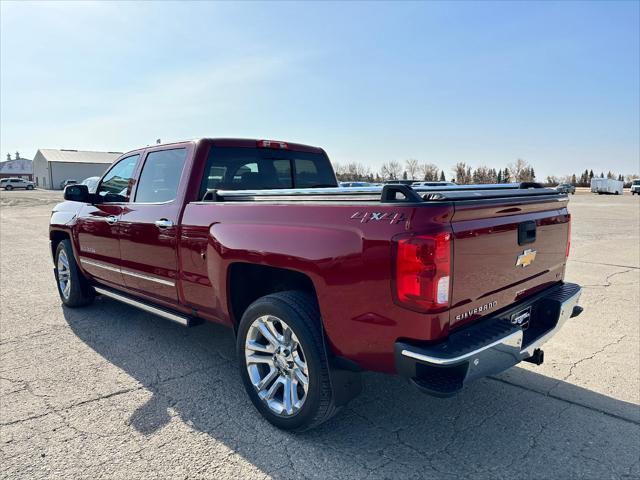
(504, 252)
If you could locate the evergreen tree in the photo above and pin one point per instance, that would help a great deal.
(442, 177)
(590, 175)
(532, 175)
(573, 179)
(500, 176)
(404, 175)
(506, 176)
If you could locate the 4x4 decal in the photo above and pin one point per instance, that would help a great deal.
(391, 217)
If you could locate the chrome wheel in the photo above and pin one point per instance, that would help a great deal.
(277, 365)
(64, 274)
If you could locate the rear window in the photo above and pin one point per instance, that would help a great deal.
(264, 169)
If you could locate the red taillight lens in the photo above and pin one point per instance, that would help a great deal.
(568, 236)
(272, 144)
(422, 271)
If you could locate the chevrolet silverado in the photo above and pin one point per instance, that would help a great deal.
(440, 284)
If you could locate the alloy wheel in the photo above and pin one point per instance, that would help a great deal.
(64, 274)
(277, 365)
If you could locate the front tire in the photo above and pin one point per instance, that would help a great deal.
(73, 288)
(283, 363)
(29, 187)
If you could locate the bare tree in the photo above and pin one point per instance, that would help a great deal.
(391, 170)
(521, 171)
(428, 172)
(352, 172)
(460, 173)
(411, 167)
(552, 180)
(395, 169)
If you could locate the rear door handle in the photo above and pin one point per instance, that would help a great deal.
(111, 219)
(164, 223)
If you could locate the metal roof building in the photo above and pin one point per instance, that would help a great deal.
(51, 167)
(19, 167)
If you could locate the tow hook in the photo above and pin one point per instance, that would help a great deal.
(577, 310)
(537, 357)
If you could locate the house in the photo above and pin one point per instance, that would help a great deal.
(51, 167)
(18, 167)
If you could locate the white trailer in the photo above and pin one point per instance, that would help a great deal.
(606, 186)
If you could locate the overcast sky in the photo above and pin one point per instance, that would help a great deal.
(556, 84)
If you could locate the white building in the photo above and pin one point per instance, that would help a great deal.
(18, 167)
(52, 167)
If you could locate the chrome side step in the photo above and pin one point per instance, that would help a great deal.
(183, 320)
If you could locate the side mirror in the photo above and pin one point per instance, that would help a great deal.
(77, 193)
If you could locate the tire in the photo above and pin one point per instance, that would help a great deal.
(299, 312)
(29, 187)
(8, 187)
(73, 287)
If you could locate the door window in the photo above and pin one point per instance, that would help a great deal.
(160, 176)
(115, 184)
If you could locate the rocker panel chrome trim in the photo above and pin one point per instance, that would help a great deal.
(174, 317)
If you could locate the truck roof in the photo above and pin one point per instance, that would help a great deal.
(240, 143)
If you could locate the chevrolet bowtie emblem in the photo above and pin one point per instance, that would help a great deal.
(526, 258)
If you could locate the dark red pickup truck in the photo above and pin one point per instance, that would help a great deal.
(441, 285)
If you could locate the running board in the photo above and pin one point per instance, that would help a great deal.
(183, 320)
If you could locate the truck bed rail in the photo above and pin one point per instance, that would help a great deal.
(390, 193)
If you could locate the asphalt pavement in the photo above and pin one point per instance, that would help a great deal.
(111, 392)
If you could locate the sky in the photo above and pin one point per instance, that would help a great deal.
(554, 83)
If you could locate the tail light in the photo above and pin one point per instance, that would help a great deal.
(272, 144)
(568, 236)
(422, 271)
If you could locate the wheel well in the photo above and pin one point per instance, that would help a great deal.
(248, 282)
(56, 236)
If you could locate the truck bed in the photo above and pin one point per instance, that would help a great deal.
(343, 239)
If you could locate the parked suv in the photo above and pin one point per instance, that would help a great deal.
(566, 188)
(11, 183)
(67, 182)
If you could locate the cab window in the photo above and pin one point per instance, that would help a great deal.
(115, 184)
(260, 169)
(160, 176)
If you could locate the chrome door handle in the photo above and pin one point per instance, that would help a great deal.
(164, 223)
(111, 219)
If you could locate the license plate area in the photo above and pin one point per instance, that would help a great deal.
(522, 318)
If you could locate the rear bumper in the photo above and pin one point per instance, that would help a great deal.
(489, 346)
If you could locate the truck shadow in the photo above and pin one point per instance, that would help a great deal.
(495, 428)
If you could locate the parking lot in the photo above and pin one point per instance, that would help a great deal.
(112, 392)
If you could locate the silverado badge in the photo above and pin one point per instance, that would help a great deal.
(526, 258)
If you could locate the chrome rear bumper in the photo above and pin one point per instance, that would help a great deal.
(489, 346)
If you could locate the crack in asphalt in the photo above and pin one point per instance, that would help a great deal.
(52, 410)
(590, 357)
(607, 280)
(562, 399)
(605, 264)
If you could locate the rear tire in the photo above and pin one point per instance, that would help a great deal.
(8, 187)
(73, 287)
(271, 365)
